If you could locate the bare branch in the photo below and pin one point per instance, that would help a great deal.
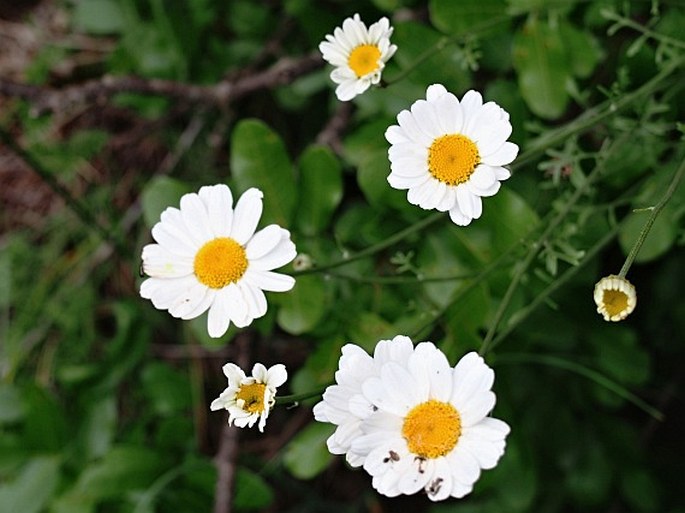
(46, 99)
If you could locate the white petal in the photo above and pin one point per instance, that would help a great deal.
(270, 281)
(159, 262)
(234, 374)
(264, 241)
(441, 483)
(189, 302)
(346, 91)
(458, 217)
(237, 306)
(435, 91)
(247, 213)
(471, 104)
(426, 119)
(254, 298)
(465, 200)
(195, 218)
(412, 130)
(504, 155)
(463, 465)
(219, 203)
(476, 407)
(277, 375)
(164, 292)
(219, 317)
(173, 238)
(278, 256)
(491, 138)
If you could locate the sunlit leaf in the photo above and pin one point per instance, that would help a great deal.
(306, 455)
(159, 194)
(540, 60)
(259, 159)
(320, 188)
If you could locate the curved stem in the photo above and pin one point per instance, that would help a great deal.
(296, 398)
(591, 374)
(655, 210)
(610, 14)
(532, 253)
(375, 248)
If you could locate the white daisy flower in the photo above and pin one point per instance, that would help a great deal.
(615, 298)
(449, 154)
(413, 421)
(249, 399)
(358, 54)
(208, 257)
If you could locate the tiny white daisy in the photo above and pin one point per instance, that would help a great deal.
(358, 54)
(208, 257)
(413, 421)
(249, 399)
(449, 153)
(615, 298)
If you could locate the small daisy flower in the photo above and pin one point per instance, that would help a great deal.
(615, 298)
(358, 54)
(412, 421)
(249, 399)
(448, 154)
(208, 257)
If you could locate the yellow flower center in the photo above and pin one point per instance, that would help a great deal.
(453, 158)
(219, 262)
(615, 301)
(251, 397)
(364, 59)
(432, 429)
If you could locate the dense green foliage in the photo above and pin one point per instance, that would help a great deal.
(104, 401)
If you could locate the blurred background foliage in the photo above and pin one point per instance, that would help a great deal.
(104, 400)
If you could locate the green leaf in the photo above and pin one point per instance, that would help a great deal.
(251, 491)
(12, 405)
(508, 217)
(159, 193)
(321, 185)
(167, 389)
(98, 17)
(464, 16)
(307, 455)
(99, 426)
(541, 62)
(582, 49)
(304, 306)
(120, 471)
(33, 487)
(372, 177)
(259, 159)
(45, 425)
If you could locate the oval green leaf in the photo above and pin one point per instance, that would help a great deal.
(322, 188)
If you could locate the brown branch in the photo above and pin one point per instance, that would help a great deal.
(46, 99)
(332, 132)
(225, 459)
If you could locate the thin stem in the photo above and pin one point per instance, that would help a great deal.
(655, 210)
(595, 115)
(296, 398)
(532, 253)
(400, 280)
(627, 22)
(525, 312)
(375, 248)
(591, 374)
(440, 45)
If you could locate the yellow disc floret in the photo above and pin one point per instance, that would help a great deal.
(219, 262)
(250, 397)
(615, 301)
(453, 158)
(364, 59)
(432, 429)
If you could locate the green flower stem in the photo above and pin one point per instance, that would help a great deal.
(591, 374)
(596, 115)
(532, 253)
(440, 45)
(611, 15)
(525, 312)
(375, 248)
(655, 210)
(400, 280)
(81, 210)
(296, 398)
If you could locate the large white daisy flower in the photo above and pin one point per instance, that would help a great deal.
(208, 256)
(449, 153)
(413, 421)
(358, 54)
(249, 399)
